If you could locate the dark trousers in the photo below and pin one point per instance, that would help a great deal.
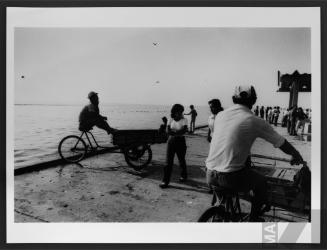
(275, 120)
(175, 145)
(99, 122)
(284, 121)
(288, 123)
(192, 126)
(242, 180)
(293, 124)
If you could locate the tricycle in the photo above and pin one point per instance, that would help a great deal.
(134, 144)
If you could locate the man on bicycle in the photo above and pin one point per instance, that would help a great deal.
(235, 130)
(90, 116)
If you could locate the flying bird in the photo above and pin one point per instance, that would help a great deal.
(155, 44)
(22, 77)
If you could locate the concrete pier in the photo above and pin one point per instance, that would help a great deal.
(102, 188)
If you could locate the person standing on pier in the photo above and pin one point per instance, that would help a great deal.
(256, 111)
(302, 117)
(193, 114)
(276, 115)
(215, 108)
(266, 112)
(262, 112)
(270, 115)
(90, 116)
(176, 144)
(228, 163)
(293, 119)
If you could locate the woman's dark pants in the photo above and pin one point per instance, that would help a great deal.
(242, 180)
(175, 145)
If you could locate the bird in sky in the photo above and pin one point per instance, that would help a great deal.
(155, 44)
(22, 77)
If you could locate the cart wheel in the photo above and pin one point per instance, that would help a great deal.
(72, 148)
(214, 214)
(138, 157)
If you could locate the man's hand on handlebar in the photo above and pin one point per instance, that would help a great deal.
(287, 148)
(296, 159)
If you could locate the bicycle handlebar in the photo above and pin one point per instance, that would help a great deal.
(304, 163)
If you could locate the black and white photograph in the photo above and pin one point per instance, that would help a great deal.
(134, 121)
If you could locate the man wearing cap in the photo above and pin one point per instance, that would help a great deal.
(235, 130)
(90, 115)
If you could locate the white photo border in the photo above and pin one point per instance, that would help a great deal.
(157, 17)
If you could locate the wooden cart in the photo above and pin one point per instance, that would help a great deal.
(282, 191)
(134, 144)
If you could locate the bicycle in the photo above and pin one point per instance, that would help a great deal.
(134, 144)
(225, 205)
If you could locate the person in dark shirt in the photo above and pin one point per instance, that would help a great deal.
(163, 127)
(193, 114)
(262, 112)
(215, 108)
(90, 116)
(256, 111)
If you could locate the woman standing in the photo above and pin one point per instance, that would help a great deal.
(177, 127)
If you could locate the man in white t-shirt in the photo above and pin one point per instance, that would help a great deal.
(228, 162)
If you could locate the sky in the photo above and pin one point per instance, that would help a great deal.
(159, 66)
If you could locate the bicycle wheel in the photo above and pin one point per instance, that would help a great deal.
(213, 214)
(138, 157)
(72, 148)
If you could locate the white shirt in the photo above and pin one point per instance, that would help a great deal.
(177, 125)
(211, 122)
(235, 130)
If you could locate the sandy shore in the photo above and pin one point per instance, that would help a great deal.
(104, 189)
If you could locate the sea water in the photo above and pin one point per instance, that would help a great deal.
(39, 128)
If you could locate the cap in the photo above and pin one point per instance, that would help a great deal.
(92, 93)
(243, 88)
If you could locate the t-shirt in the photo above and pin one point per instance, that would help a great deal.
(235, 130)
(177, 125)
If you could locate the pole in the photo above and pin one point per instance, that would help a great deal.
(295, 93)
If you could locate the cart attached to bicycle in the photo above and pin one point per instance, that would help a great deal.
(134, 144)
(283, 194)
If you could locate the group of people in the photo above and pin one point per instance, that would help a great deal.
(296, 118)
(270, 114)
(176, 144)
(293, 118)
(232, 133)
